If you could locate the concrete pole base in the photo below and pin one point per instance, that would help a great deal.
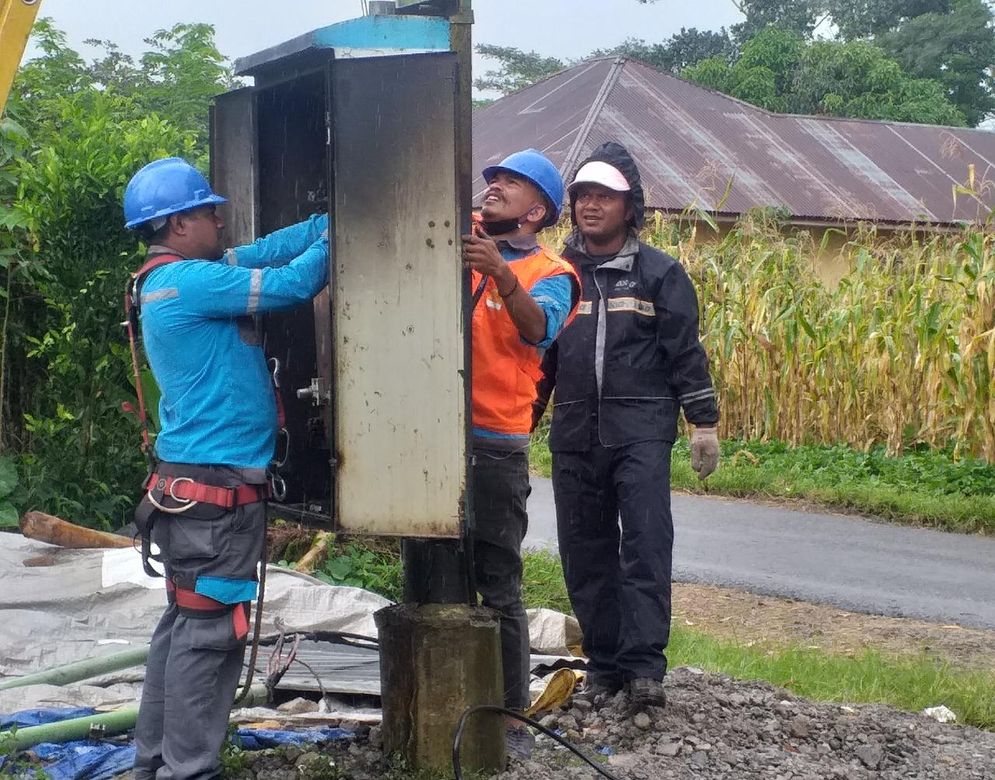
(435, 661)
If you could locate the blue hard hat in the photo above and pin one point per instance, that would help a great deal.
(164, 187)
(536, 167)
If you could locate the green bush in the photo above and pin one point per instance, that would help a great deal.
(84, 129)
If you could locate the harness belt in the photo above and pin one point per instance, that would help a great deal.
(185, 489)
(196, 605)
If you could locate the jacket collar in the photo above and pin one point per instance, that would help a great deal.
(623, 261)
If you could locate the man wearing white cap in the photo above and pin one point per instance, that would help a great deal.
(622, 370)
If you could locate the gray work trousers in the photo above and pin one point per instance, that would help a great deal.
(500, 521)
(195, 659)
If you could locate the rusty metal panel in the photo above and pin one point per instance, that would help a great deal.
(233, 164)
(397, 296)
(695, 146)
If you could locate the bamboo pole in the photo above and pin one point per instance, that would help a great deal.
(54, 530)
(105, 724)
(316, 554)
(80, 670)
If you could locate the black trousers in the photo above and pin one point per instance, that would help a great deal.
(500, 489)
(618, 578)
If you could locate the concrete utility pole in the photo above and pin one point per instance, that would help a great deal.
(440, 653)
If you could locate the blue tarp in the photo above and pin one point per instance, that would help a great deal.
(259, 739)
(101, 760)
(26, 718)
(85, 759)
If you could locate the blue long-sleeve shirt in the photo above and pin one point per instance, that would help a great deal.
(217, 405)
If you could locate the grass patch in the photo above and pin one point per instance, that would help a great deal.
(375, 565)
(542, 582)
(912, 683)
(920, 488)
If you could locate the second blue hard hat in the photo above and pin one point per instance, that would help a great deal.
(536, 167)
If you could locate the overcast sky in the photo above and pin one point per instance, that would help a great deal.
(558, 28)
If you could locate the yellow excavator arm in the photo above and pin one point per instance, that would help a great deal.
(16, 18)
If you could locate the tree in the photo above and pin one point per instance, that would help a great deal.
(64, 254)
(781, 72)
(762, 75)
(518, 69)
(177, 78)
(955, 48)
(796, 16)
(681, 50)
(855, 19)
(857, 79)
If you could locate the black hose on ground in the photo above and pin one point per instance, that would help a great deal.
(458, 737)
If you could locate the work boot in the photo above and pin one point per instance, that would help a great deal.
(647, 692)
(597, 688)
(519, 742)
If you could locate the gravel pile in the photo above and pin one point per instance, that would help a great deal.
(713, 728)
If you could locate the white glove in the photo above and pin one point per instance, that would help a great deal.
(704, 451)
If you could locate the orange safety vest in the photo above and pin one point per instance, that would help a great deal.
(505, 368)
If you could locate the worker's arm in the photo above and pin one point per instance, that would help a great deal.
(280, 246)
(555, 296)
(676, 307)
(546, 384)
(482, 255)
(677, 336)
(218, 290)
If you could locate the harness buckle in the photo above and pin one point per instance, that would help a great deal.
(160, 486)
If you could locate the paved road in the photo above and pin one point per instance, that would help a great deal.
(850, 562)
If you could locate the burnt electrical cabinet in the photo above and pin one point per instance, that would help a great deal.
(372, 374)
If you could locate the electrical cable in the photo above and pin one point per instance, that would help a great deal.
(458, 737)
(334, 637)
(257, 630)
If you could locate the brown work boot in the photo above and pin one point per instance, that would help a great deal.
(647, 692)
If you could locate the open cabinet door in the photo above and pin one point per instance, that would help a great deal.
(397, 294)
(233, 168)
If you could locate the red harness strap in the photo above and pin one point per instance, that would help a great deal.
(196, 602)
(131, 306)
(185, 489)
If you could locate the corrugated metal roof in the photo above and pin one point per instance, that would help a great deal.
(698, 147)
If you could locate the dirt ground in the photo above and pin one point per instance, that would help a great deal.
(775, 622)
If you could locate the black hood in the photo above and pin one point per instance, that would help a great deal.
(618, 157)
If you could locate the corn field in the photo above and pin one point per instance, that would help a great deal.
(901, 353)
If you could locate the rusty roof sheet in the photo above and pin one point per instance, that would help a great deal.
(697, 147)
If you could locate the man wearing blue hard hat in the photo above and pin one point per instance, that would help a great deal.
(204, 505)
(523, 295)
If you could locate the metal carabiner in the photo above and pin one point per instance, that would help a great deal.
(277, 486)
(282, 435)
(274, 364)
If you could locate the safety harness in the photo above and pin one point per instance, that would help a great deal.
(183, 490)
(178, 494)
